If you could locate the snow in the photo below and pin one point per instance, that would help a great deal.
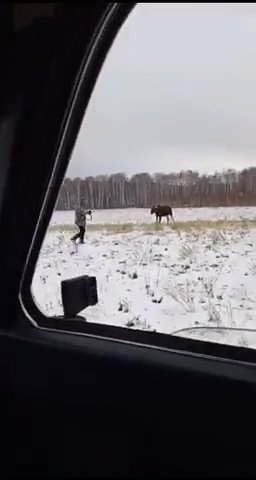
(163, 281)
(141, 215)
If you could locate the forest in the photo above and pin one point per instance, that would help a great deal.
(183, 189)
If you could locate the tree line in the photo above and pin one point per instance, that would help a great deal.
(183, 189)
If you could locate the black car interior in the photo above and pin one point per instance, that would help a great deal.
(80, 399)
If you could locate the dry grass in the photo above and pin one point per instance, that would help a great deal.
(214, 224)
(185, 251)
(151, 228)
(184, 295)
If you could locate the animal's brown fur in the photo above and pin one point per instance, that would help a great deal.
(162, 211)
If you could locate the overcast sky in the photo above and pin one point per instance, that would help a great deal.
(177, 91)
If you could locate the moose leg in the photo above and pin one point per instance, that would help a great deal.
(167, 219)
(160, 218)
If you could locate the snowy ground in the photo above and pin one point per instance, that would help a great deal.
(164, 280)
(141, 215)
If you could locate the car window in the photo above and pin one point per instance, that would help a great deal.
(159, 201)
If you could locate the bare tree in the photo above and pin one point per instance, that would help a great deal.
(186, 188)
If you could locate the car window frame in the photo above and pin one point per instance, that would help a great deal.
(91, 65)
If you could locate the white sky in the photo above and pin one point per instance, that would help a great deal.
(177, 91)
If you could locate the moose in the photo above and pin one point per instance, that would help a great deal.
(162, 211)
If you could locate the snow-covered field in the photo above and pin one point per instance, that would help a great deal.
(141, 215)
(165, 280)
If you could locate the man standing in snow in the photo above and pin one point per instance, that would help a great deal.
(80, 221)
